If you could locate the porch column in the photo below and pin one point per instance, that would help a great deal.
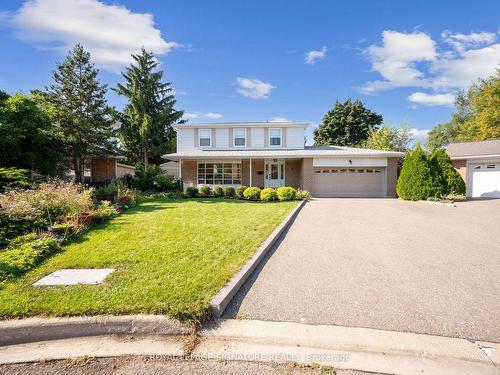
(250, 179)
(180, 169)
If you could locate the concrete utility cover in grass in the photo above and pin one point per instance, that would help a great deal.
(75, 276)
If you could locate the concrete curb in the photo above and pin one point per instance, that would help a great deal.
(41, 329)
(220, 301)
(364, 349)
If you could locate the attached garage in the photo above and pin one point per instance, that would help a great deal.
(349, 182)
(485, 180)
(479, 165)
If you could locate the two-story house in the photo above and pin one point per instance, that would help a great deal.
(272, 154)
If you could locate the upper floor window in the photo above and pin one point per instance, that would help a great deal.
(205, 136)
(275, 137)
(239, 137)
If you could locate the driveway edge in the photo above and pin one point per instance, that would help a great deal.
(40, 329)
(220, 301)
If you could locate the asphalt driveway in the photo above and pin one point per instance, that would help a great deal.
(386, 264)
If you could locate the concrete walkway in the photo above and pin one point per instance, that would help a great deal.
(257, 341)
(385, 264)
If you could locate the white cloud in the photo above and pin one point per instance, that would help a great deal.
(419, 135)
(462, 41)
(109, 32)
(201, 115)
(254, 88)
(415, 60)
(279, 119)
(395, 59)
(431, 99)
(312, 56)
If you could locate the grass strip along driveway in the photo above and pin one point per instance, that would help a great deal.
(171, 257)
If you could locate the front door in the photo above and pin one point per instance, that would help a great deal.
(274, 175)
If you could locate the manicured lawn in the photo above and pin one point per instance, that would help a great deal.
(171, 257)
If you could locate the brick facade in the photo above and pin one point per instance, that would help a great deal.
(189, 172)
(293, 169)
(307, 174)
(461, 167)
(257, 173)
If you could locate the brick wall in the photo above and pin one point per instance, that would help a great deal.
(189, 172)
(103, 169)
(293, 169)
(257, 179)
(461, 167)
(307, 174)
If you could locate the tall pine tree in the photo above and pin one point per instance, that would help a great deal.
(146, 129)
(81, 109)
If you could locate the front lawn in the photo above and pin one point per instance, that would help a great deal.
(171, 257)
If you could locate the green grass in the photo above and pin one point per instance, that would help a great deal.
(171, 257)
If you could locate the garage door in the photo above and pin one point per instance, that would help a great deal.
(348, 182)
(486, 180)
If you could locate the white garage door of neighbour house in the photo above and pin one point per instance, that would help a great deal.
(485, 180)
(349, 182)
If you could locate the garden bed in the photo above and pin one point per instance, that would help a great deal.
(171, 257)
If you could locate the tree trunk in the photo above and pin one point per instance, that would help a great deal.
(76, 169)
(145, 157)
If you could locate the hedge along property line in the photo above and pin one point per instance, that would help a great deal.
(220, 301)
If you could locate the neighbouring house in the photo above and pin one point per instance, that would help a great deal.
(171, 168)
(104, 169)
(273, 154)
(479, 165)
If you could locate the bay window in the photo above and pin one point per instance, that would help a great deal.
(219, 173)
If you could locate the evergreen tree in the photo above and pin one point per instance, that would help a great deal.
(81, 109)
(445, 175)
(146, 130)
(347, 124)
(416, 179)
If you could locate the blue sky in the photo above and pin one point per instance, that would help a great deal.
(262, 60)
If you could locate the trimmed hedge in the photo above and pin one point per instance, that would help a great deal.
(24, 253)
(229, 192)
(450, 182)
(268, 195)
(191, 192)
(252, 193)
(286, 193)
(205, 191)
(239, 191)
(218, 192)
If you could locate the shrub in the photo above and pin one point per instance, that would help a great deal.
(239, 191)
(303, 195)
(14, 178)
(110, 189)
(218, 192)
(416, 181)
(229, 192)
(252, 193)
(49, 203)
(286, 193)
(268, 195)
(191, 192)
(152, 178)
(445, 175)
(205, 191)
(104, 212)
(24, 253)
(434, 199)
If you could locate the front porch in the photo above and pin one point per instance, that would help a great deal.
(261, 173)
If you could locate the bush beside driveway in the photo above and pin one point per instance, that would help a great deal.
(171, 257)
(385, 264)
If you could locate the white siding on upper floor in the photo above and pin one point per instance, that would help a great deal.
(257, 137)
(185, 140)
(295, 138)
(222, 138)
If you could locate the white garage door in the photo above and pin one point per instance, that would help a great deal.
(348, 182)
(485, 180)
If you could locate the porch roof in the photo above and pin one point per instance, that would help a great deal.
(307, 152)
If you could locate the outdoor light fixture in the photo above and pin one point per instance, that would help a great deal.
(350, 161)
